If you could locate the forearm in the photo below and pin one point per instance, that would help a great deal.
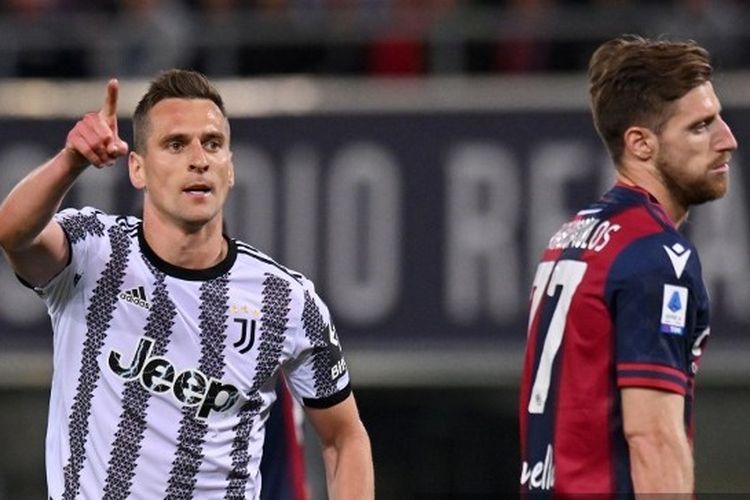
(349, 470)
(662, 464)
(31, 204)
(661, 460)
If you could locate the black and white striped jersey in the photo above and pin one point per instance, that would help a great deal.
(164, 376)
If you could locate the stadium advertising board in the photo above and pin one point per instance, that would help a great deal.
(416, 227)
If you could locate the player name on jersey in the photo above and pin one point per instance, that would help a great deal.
(589, 233)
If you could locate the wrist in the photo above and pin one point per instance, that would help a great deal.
(73, 161)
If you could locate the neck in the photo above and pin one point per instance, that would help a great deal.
(190, 248)
(649, 180)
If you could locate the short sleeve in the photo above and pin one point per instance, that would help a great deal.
(83, 228)
(656, 302)
(318, 374)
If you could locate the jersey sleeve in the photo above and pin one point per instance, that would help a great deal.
(83, 228)
(318, 374)
(656, 300)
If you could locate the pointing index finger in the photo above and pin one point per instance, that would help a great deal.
(109, 109)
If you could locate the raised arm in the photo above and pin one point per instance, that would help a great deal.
(661, 460)
(346, 451)
(34, 244)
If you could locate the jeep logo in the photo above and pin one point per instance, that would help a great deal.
(189, 387)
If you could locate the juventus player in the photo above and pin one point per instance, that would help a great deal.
(168, 335)
(619, 315)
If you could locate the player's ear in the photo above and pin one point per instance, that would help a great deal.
(231, 170)
(135, 170)
(640, 143)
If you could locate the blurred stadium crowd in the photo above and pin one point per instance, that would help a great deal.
(94, 38)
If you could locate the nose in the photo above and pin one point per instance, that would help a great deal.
(725, 140)
(197, 157)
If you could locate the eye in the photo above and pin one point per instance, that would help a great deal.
(703, 125)
(700, 127)
(174, 145)
(213, 145)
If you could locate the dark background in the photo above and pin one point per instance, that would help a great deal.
(435, 359)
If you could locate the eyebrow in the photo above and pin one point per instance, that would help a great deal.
(707, 119)
(214, 135)
(173, 137)
(182, 137)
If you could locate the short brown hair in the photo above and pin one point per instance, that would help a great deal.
(633, 82)
(173, 83)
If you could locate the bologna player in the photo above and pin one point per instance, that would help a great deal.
(619, 315)
(169, 336)
(283, 464)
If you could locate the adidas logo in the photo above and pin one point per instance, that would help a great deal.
(136, 296)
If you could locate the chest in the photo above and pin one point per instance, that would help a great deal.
(205, 344)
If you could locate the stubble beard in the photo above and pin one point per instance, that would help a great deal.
(690, 190)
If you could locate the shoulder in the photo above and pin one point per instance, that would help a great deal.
(281, 284)
(643, 237)
(665, 255)
(250, 256)
(85, 222)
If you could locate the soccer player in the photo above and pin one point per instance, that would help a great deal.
(168, 335)
(619, 315)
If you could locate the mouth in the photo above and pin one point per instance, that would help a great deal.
(722, 165)
(197, 190)
(721, 168)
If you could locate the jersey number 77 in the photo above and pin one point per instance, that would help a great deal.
(566, 274)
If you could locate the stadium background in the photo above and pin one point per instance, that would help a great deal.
(411, 156)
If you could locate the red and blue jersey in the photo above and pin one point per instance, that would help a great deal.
(617, 301)
(283, 464)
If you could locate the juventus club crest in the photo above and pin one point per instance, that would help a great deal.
(246, 338)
